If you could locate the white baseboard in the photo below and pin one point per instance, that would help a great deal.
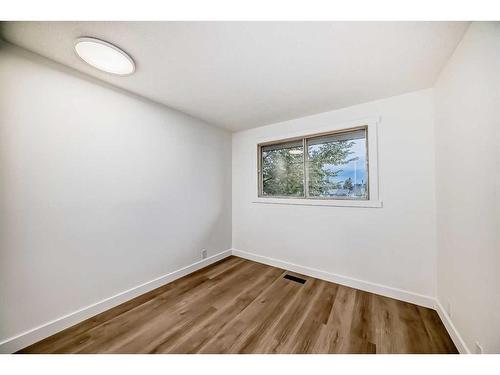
(452, 330)
(24, 339)
(384, 290)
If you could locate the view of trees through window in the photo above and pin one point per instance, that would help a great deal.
(334, 166)
(283, 169)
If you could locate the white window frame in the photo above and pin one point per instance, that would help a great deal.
(373, 200)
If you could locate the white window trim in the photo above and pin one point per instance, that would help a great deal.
(374, 199)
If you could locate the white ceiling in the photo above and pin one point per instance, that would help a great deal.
(241, 75)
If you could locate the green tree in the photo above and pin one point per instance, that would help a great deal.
(283, 169)
(348, 184)
(283, 172)
(324, 160)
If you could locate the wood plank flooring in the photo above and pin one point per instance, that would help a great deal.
(239, 306)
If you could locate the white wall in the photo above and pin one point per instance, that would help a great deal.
(100, 191)
(394, 245)
(468, 186)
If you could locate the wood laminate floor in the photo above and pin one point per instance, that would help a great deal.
(239, 306)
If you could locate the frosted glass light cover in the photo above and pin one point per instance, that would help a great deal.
(104, 56)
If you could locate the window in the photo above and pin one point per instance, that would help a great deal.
(325, 166)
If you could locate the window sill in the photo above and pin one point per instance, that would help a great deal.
(320, 202)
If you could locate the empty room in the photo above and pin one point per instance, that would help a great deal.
(249, 187)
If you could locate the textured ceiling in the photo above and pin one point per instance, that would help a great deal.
(240, 75)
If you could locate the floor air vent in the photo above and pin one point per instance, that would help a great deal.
(294, 278)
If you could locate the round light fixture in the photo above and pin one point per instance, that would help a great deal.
(104, 56)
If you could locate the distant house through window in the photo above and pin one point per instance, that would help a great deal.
(326, 166)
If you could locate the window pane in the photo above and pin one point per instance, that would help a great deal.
(337, 166)
(283, 169)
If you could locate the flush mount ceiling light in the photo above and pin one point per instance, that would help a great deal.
(104, 56)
